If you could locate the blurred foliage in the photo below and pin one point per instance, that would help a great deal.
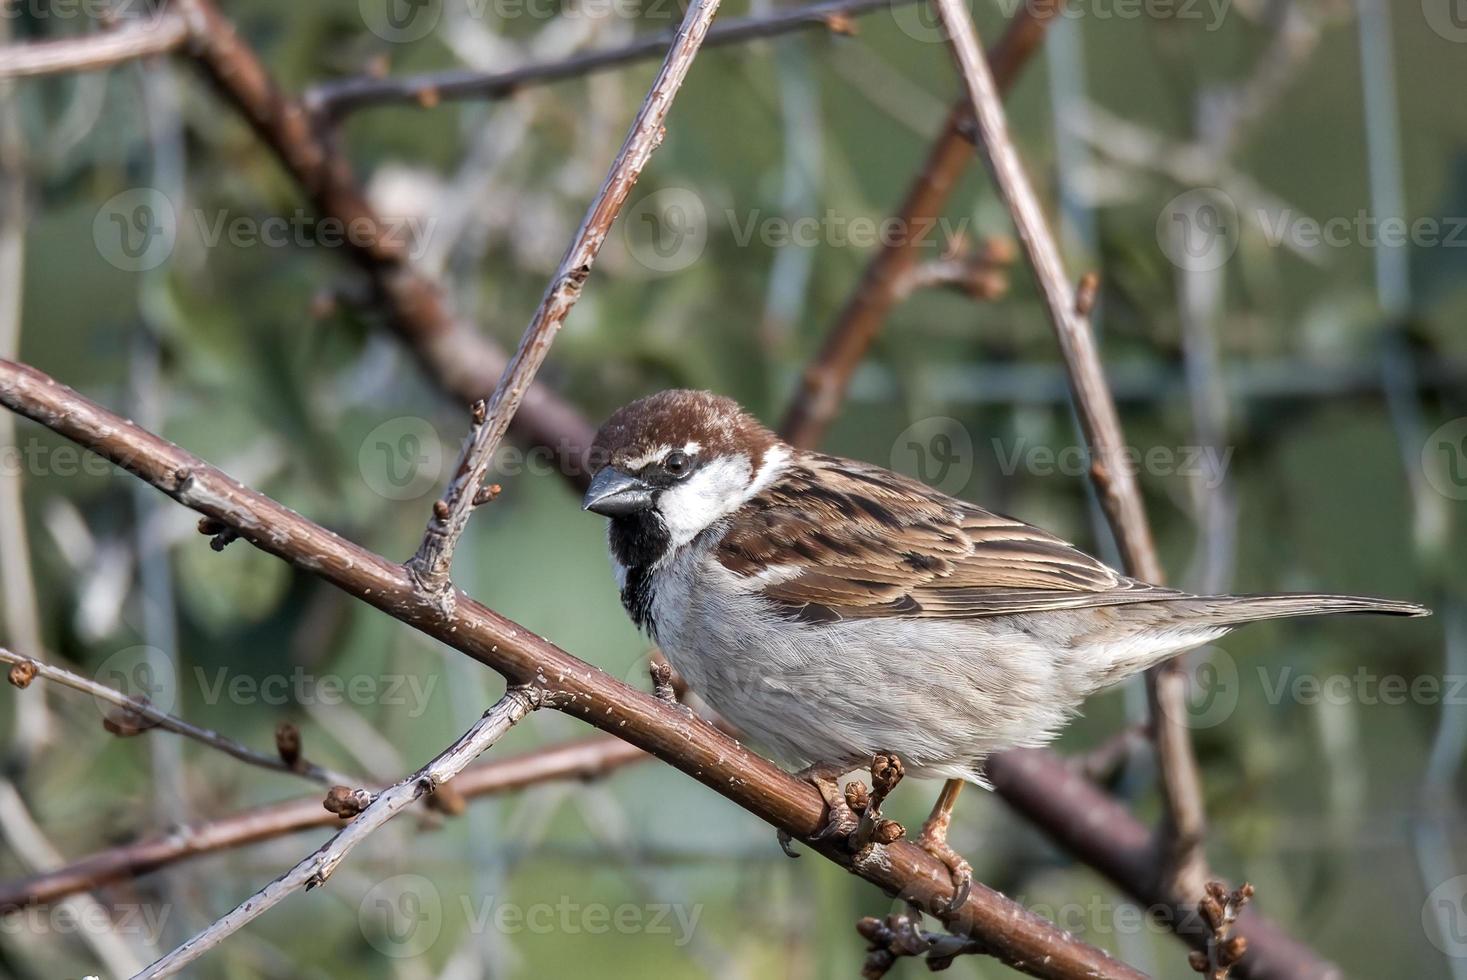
(1314, 803)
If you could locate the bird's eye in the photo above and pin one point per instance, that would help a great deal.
(676, 462)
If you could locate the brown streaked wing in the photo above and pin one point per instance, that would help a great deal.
(866, 542)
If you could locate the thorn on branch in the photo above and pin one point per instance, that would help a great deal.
(1219, 909)
(22, 673)
(346, 802)
(288, 744)
(221, 534)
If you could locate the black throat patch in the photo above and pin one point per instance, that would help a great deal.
(638, 541)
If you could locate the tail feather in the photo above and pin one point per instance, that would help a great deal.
(1231, 610)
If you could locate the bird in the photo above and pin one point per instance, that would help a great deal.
(834, 611)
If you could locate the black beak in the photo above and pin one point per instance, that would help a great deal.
(613, 494)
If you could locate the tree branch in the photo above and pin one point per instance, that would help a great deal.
(316, 869)
(459, 359)
(91, 52)
(823, 385)
(335, 99)
(141, 710)
(1008, 930)
(1115, 483)
(431, 565)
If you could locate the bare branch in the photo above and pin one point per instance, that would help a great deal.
(92, 52)
(586, 758)
(824, 382)
(316, 869)
(430, 566)
(139, 715)
(1114, 481)
(458, 358)
(1009, 931)
(335, 99)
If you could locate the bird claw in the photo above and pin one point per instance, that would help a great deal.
(840, 821)
(785, 843)
(960, 871)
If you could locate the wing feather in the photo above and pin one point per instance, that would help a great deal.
(835, 539)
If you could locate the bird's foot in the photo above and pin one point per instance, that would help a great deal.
(933, 840)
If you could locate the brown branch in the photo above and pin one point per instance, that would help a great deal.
(431, 565)
(314, 870)
(1008, 931)
(138, 715)
(1114, 481)
(460, 360)
(586, 758)
(335, 99)
(826, 378)
(92, 52)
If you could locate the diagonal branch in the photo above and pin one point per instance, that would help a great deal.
(335, 99)
(316, 869)
(1009, 931)
(459, 359)
(158, 35)
(824, 382)
(140, 710)
(1114, 480)
(430, 566)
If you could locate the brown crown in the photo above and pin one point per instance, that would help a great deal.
(673, 418)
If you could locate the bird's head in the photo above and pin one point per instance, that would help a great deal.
(682, 459)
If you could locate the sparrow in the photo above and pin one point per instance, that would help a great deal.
(833, 610)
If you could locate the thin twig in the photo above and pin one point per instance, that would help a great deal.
(456, 356)
(138, 714)
(316, 869)
(430, 566)
(158, 35)
(1010, 932)
(335, 99)
(1114, 481)
(585, 758)
(825, 379)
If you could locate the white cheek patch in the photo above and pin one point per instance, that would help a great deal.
(715, 490)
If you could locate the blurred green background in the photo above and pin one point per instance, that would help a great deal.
(1330, 379)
